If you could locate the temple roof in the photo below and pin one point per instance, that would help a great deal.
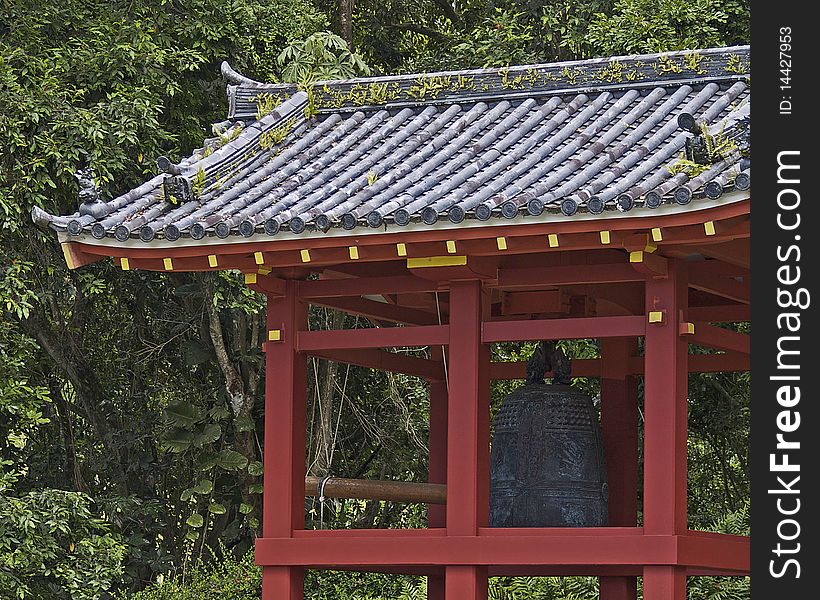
(599, 139)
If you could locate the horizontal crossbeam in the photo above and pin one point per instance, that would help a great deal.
(720, 339)
(520, 547)
(539, 277)
(377, 337)
(563, 329)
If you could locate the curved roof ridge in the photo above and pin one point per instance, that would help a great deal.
(617, 72)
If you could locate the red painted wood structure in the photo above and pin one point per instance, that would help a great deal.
(665, 276)
(664, 280)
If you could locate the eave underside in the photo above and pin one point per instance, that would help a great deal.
(575, 271)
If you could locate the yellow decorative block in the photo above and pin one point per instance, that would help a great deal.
(552, 239)
(709, 227)
(636, 256)
(264, 270)
(260, 260)
(124, 264)
(657, 234)
(451, 246)
(67, 255)
(605, 238)
(168, 264)
(354, 252)
(656, 316)
(436, 261)
(401, 249)
(501, 242)
(250, 278)
(305, 254)
(687, 328)
(275, 335)
(213, 261)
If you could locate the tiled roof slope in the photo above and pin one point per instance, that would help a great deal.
(594, 136)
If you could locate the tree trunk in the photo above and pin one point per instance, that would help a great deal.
(346, 21)
(240, 394)
(69, 357)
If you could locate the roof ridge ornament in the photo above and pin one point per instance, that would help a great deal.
(90, 201)
(234, 76)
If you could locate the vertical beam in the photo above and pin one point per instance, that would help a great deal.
(665, 406)
(619, 428)
(468, 433)
(437, 471)
(665, 426)
(664, 583)
(284, 455)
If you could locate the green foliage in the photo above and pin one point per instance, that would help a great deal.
(320, 56)
(52, 546)
(223, 578)
(643, 26)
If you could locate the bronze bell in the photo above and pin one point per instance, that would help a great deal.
(547, 464)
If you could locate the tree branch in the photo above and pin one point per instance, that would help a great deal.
(449, 10)
(421, 29)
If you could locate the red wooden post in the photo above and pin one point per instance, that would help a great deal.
(619, 428)
(663, 583)
(284, 457)
(468, 434)
(437, 470)
(665, 426)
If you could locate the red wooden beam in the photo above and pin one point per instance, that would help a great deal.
(719, 363)
(540, 277)
(75, 257)
(591, 367)
(284, 453)
(393, 362)
(535, 302)
(468, 435)
(724, 287)
(506, 371)
(722, 313)
(379, 311)
(706, 550)
(665, 408)
(584, 547)
(378, 337)
(605, 546)
(613, 550)
(735, 252)
(664, 582)
(556, 329)
(717, 268)
(649, 264)
(364, 286)
(719, 338)
(619, 429)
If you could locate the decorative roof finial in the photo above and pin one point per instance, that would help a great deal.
(90, 201)
(89, 193)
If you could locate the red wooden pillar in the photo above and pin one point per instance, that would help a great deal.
(619, 428)
(468, 434)
(665, 426)
(284, 456)
(437, 471)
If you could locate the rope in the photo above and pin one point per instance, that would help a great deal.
(322, 483)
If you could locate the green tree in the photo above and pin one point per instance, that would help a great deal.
(52, 546)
